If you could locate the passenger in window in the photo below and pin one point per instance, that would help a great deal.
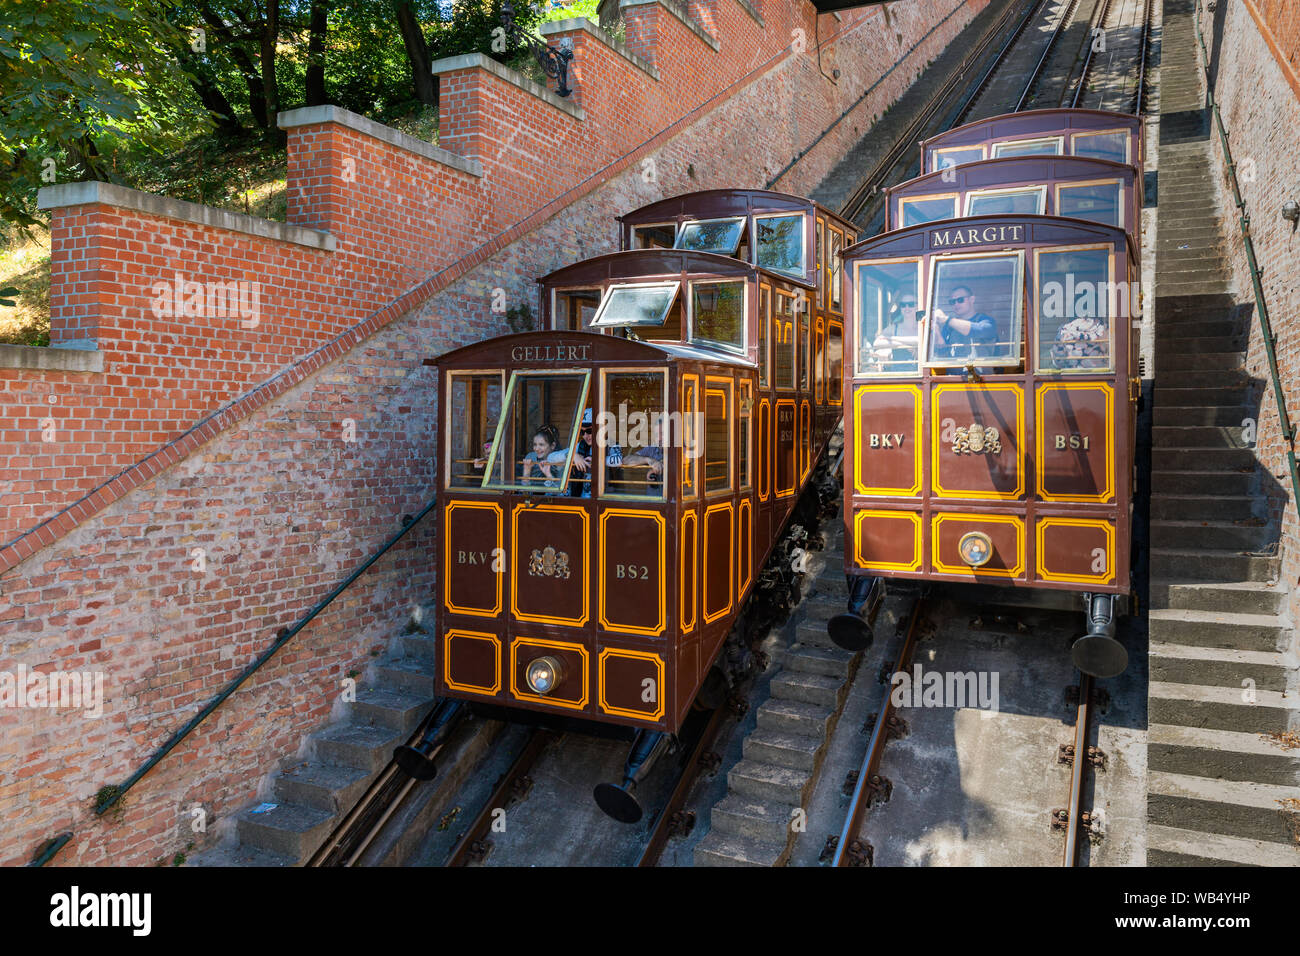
(900, 337)
(652, 456)
(580, 487)
(966, 333)
(546, 457)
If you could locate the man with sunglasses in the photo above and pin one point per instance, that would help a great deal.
(580, 487)
(966, 333)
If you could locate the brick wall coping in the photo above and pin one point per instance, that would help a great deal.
(749, 8)
(680, 14)
(111, 194)
(470, 60)
(315, 115)
(52, 358)
(582, 23)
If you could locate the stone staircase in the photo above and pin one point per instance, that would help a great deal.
(1222, 666)
(782, 756)
(309, 797)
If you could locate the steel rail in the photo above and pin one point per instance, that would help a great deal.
(1098, 23)
(1074, 820)
(875, 749)
(993, 67)
(501, 795)
(1142, 59)
(661, 833)
(1066, 14)
(870, 185)
(1261, 304)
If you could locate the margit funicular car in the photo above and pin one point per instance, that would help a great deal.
(608, 496)
(990, 418)
(1090, 134)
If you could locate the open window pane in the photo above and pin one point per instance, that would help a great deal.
(764, 328)
(1075, 310)
(717, 436)
(536, 438)
(474, 407)
(632, 447)
(575, 309)
(1048, 146)
(718, 313)
(1099, 202)
(712, 235)
(976, 309)
(654, 237)
(889, 318)
(835, 359)
(927, 209)
(633, 305)
(783, 341)
(1112, 146)
(837, 268)
(1018, 202)
(955, 156)
(780, 243)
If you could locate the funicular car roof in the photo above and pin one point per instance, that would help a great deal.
(1031, 122)
(915, 240)
(717, 203)
(632, 265)
(1013, 171)
(499, 352)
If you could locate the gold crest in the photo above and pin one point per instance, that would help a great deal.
(975, 439)
(548, 563)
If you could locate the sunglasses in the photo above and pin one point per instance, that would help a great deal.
(907, 305)
(956, 299)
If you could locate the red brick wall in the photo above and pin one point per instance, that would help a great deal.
(281, 504)
(1262, 113)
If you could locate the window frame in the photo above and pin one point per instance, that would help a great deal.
(1111, 256)
(745, 413)
(1085, 133)
(822, 283)
(922, 340)
(675, 284)
(693, 339)
(937, 153)
(1039, 189)
(689, 488)
(557, 291)
(452, 374)
(684, 225)
(834, 383)
(831, 306)
(984, 361)
(764, 331)
(673, 224)
(730, 393)
(930, 197)
(506, 410)
(777, 293)
(602, 405)
(1120, 202)
(1057, 139)
(803, 242)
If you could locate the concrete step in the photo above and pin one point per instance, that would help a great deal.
(821, 608)
(761, 821)
(1203, 482)
(1221, 755)
(1181, 396)
(719, 849)
(1202, 378)
(1165, 458)
(286, 830)
(795, 717)
(234, 854)
(1223, 415)
(1200, 507)
(386, 708)
(1218, 628)
(1167, 329)
(1233, 808)
(809, 659)
(329, 787)
(1176, 286)
(813, 633)
(1196, 565)
(423, 647)
(809, 688)
(1221, 708)
(1198, 436)
(765, 781)
(408, 675)
(1210, 536)
(1217, 666)
(1174, 846)
(1196, 306)
(1198, 345)
(796, 751)
(1179, 362)
(1228, 598)
(352, 745)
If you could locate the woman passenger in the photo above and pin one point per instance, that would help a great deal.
(545, 456)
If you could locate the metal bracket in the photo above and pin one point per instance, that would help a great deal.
(1061, 820)
(1095, 756)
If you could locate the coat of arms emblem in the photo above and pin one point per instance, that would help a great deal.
(975, 439)
(548, 563)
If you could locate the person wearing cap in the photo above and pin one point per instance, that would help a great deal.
(581, 487)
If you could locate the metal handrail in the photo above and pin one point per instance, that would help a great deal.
(111, 795)
(1261, 306)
